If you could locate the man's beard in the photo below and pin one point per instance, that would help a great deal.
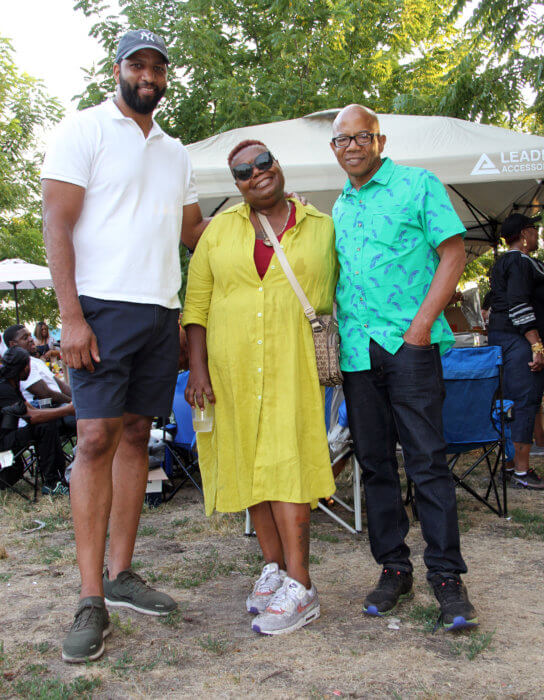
(142, 105)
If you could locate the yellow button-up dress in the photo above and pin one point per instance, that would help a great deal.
(269, 441)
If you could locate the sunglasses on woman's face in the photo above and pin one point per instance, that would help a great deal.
(244, 171)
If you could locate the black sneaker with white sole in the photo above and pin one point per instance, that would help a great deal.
(530, 480)
(394, 585)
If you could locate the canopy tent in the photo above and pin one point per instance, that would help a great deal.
(17, 274)
(489, 171)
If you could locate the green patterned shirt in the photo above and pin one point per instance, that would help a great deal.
(387, 233)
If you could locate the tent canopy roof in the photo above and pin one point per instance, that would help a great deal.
(489, 171)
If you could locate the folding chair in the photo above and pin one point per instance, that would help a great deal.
(475, 414)
(180, 457)
(340, 447)
(20, 465)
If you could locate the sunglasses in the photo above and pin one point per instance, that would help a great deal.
(244, 171)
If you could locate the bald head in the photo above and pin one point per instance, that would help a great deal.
(351, 112)
(360, 153)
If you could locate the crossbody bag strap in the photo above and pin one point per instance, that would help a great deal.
(308, 308)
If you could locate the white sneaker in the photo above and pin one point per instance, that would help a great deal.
(293, 606)
(267, 584)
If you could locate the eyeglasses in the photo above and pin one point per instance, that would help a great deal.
(363, 138)
(243, 171)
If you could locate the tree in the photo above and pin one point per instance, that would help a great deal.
(25, 109)
(241, 62)
(507, 37)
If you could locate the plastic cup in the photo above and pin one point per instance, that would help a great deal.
(202, 417)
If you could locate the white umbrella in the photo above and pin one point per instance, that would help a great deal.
(17, 274)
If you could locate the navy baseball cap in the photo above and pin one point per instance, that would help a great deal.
(138, 39)
(514, 224)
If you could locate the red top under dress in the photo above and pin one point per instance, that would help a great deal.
(262, 253)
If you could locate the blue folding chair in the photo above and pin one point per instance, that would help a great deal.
(180, 456)
(475, 417)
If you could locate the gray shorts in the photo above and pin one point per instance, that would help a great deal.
(139, 351)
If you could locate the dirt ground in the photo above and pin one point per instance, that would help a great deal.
(207, 648)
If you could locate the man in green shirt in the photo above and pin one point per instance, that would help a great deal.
(401, 254)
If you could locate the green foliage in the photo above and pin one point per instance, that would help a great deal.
(241, 62)
(21, 237)
(478, 270)
(507, 37)
(25, 109)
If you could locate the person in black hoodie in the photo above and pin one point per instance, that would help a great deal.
(516, 323)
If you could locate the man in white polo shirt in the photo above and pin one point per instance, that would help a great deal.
(117, 194)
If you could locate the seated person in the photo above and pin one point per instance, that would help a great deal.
(42, 426)
(41, 383)
(44, 342)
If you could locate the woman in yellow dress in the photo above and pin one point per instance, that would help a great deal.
(251, 353)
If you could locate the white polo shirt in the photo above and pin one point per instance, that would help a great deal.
(127, 237)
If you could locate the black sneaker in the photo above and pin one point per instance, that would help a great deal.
(530, 480)
(456, 610)
(394, 585)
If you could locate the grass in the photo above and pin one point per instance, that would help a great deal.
(55, 689)
(175, 618)
(147, 530)
(124, 626)
(4, 578)
(423, 615)
(205, 569)
(314, 559)
(49, 555)
(215, 645)
(325, 537)
(474, 644)
(531, 525)
(255, 563)
(123, 663)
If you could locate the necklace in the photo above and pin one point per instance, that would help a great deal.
(261, 235)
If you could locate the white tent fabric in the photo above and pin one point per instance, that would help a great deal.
(489, 171)
(23, 275)
(17, 274)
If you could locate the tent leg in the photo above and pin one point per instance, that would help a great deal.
(16, 302)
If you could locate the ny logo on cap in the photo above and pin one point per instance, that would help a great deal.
(148, 36)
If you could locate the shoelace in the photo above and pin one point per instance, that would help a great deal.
(285, 599)
(133, 581)
(84, 616)
(266, 582)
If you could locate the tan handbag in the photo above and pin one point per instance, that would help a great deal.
(324, 328)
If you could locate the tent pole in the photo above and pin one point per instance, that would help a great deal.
(16, 302)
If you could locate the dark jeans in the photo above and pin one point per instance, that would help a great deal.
(401, 397)
(45, 437)
(521, 385)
